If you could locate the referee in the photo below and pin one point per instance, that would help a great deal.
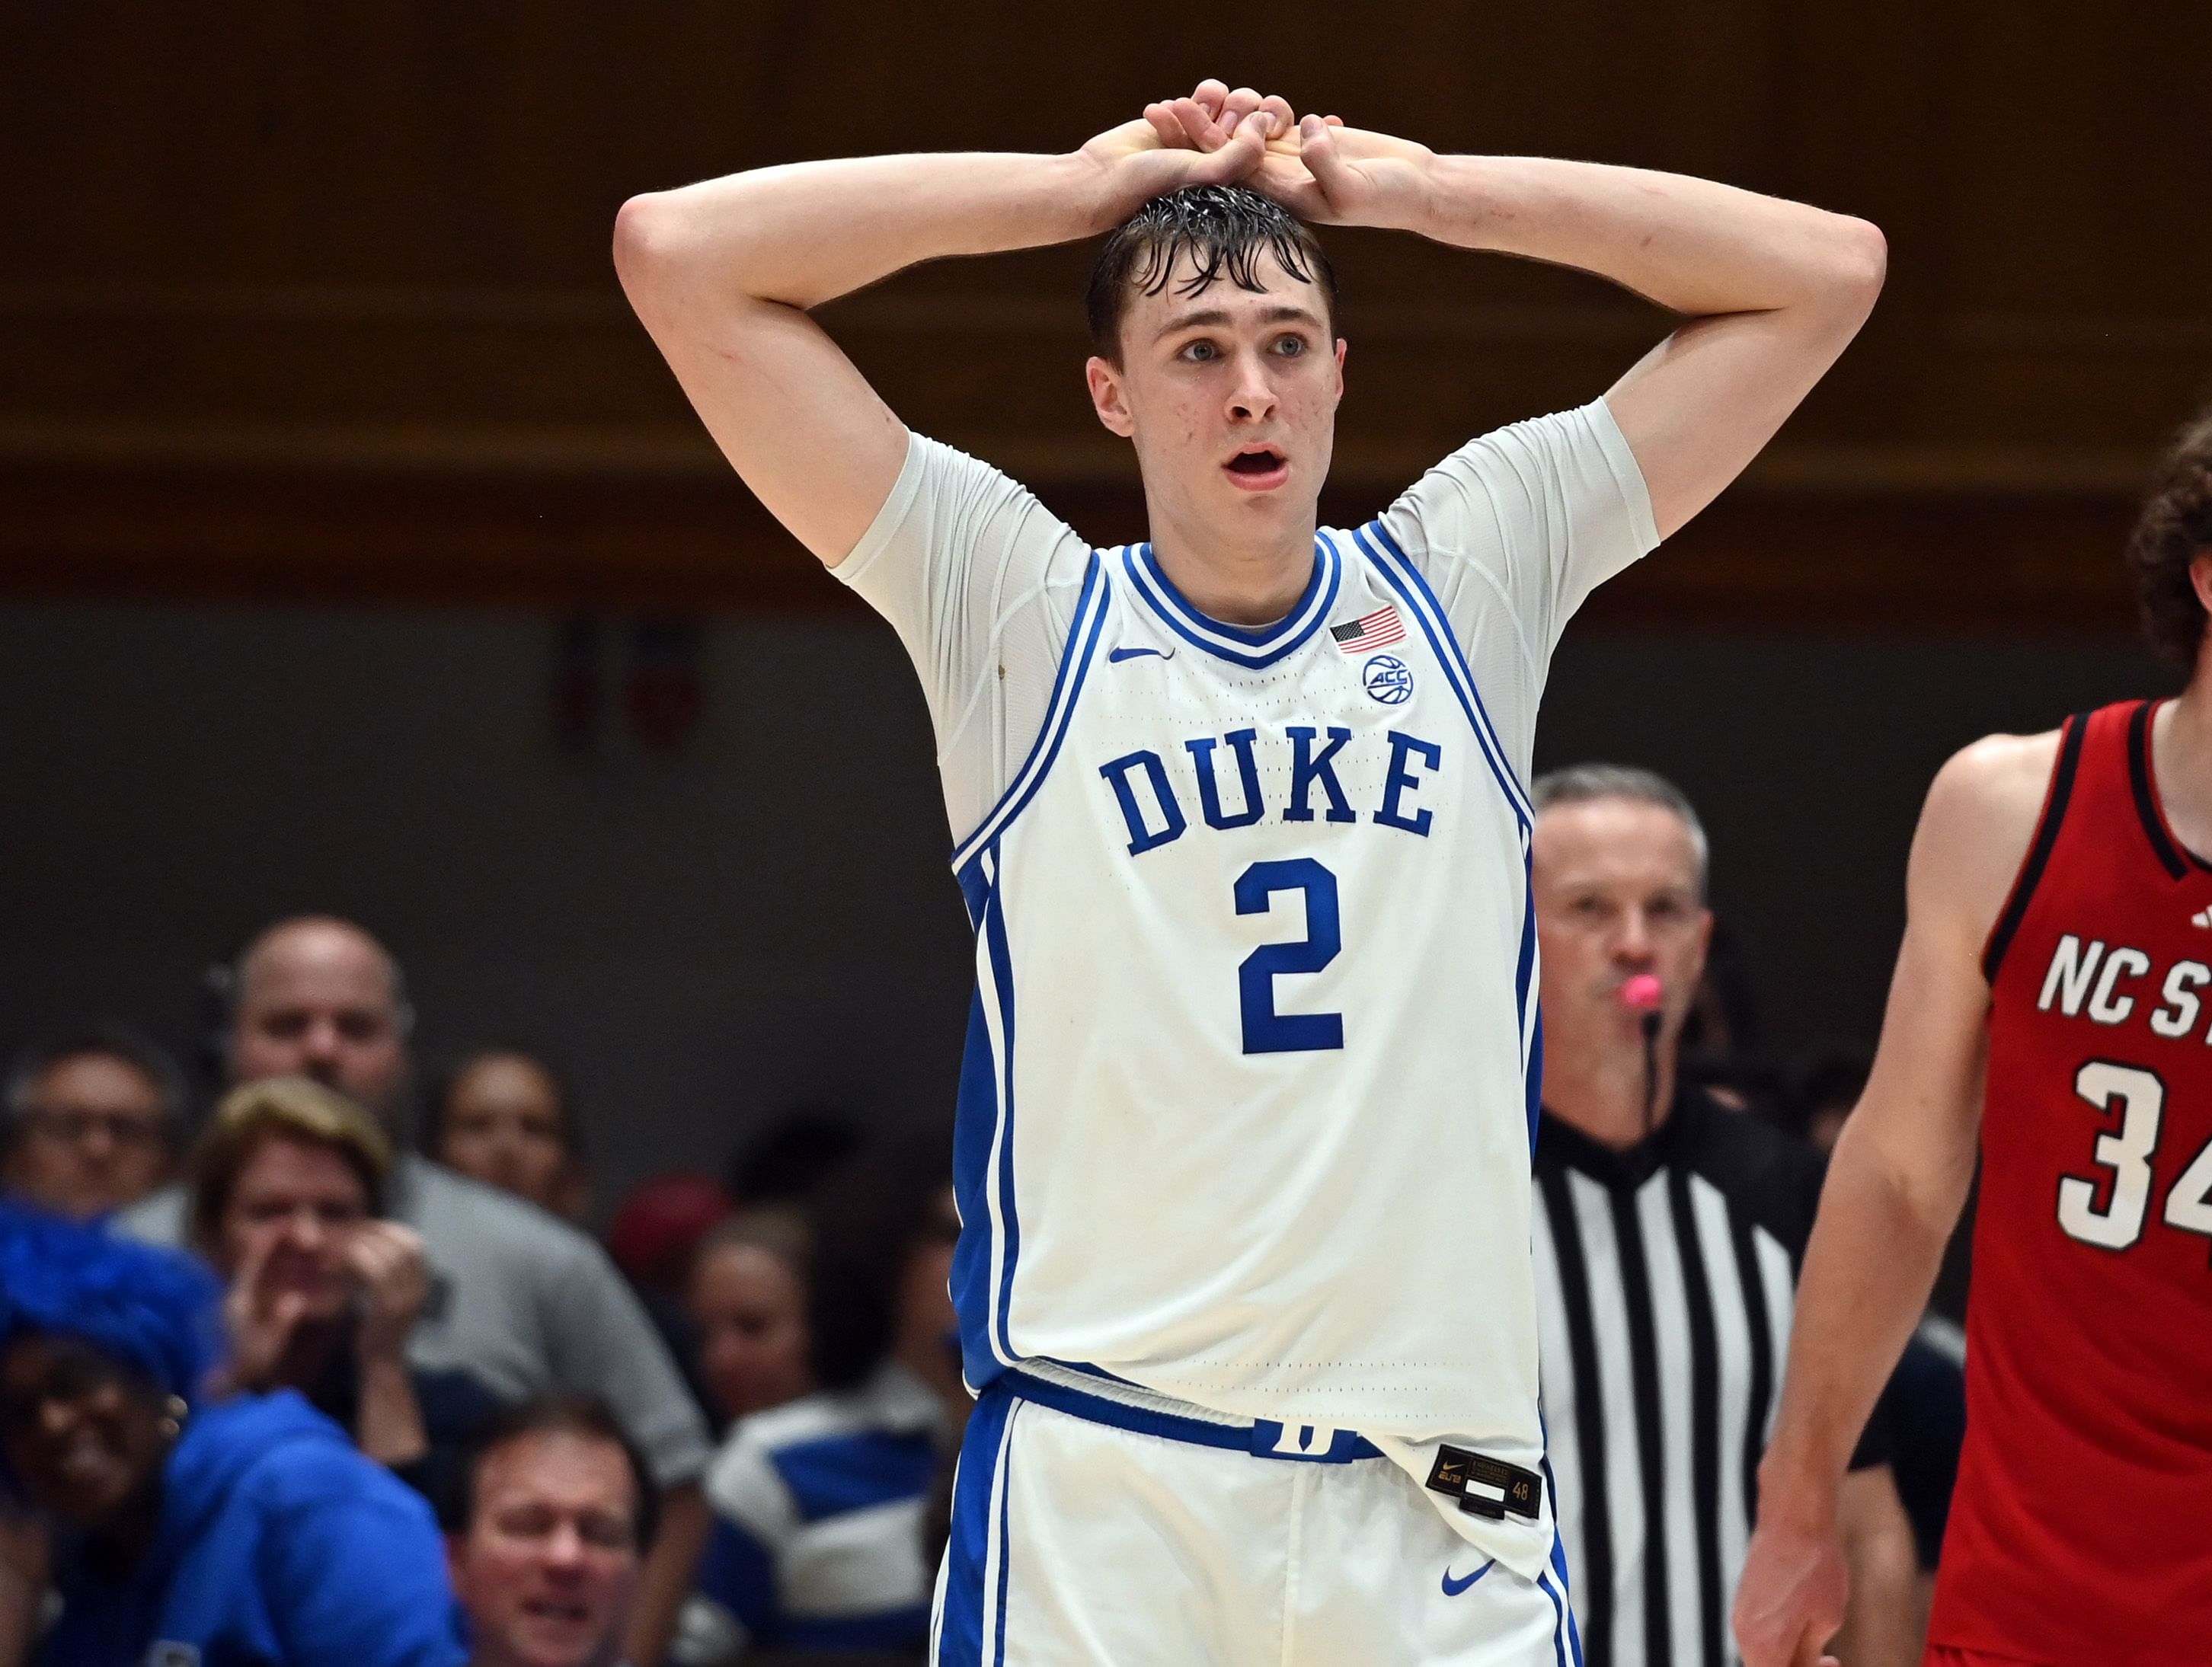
(1668, 1234)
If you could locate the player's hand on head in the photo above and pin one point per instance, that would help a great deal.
(1214, 115)
(1155, 154)
(1331, 174)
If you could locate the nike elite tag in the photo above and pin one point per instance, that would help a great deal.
(1485, 1487)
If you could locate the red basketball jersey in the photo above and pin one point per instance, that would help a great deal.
(2082, 1529)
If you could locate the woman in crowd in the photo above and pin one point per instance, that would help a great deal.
(747, 1300)
(821, 1540)
(504, 1118)
(287, 1186)
(223, 1534)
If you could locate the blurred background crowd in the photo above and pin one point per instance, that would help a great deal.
(263, 1338)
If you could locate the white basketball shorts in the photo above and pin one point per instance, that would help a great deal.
(1087, 1532)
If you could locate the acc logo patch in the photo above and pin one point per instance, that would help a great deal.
(1388, 679)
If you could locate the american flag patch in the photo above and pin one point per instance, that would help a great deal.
(1375, 630)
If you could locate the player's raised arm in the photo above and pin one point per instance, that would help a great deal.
(1894, 1190)
(1773, 290)
(723, 273)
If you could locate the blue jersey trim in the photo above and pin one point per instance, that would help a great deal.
(1252, 649)
(1002, 1177)
(1259, 1438)
(1067, 687)
(975, 1526)
(982, 1142)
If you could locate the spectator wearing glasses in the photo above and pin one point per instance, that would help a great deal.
(92, 1122)
(525, 1304)
(189, 1531)
(551, 1522)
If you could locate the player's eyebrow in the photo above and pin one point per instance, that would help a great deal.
(1215, 318)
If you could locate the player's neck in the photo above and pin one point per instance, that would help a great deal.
(2181, 758)
(1244, 576)
(1601, 1091)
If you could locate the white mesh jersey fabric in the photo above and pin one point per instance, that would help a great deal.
(1512, 531)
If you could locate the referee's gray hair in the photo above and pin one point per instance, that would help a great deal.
(1578, 783)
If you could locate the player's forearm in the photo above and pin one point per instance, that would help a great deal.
(1872, 1261)
(1690, 244)
(810, 232)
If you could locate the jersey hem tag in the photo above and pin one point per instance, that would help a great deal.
(1485, 1487)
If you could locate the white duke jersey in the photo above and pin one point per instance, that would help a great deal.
(1252, 1067)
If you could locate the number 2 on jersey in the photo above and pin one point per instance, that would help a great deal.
(2140, 1097)
(1267, 1031)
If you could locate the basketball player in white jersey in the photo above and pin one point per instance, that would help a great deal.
(1243, 1135)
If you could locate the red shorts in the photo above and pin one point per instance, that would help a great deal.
(1941, 1655)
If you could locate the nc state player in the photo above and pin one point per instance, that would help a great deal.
(2056, 969)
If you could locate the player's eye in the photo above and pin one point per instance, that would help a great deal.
(1200, 352)
(1291, 347)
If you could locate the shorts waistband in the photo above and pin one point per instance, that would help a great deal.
(1262, 1438)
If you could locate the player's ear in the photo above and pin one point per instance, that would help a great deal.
(1107, 395)
(1342, 346)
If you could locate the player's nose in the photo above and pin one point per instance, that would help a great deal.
(1251, 396)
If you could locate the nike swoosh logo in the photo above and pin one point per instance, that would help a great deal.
(1453, 1588)
(1117, 655)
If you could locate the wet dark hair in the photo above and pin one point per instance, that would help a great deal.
(2174, 529)
(1222, 231)
(585, 1416)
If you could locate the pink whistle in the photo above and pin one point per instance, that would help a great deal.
(1641, 993)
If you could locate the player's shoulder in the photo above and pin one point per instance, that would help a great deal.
(1998, 780)
(1976, 826)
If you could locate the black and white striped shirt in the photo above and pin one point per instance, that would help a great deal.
(1666, 1276)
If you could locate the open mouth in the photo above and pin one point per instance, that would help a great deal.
(558, 1611)
(1258, 467)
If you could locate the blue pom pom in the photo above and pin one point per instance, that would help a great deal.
(154, 1310)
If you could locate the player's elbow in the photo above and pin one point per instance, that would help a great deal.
(1857, 262)
(647, 237)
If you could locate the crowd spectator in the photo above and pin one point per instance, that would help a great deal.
(248, 1530)
(748, 1302)
(523, 1304)
(504, 1118)
(288, 1183)
(653, 1237)
(1669, 1233)
(788, 1158)
(93, 1122)
(548, 1531)
(822, 1539)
